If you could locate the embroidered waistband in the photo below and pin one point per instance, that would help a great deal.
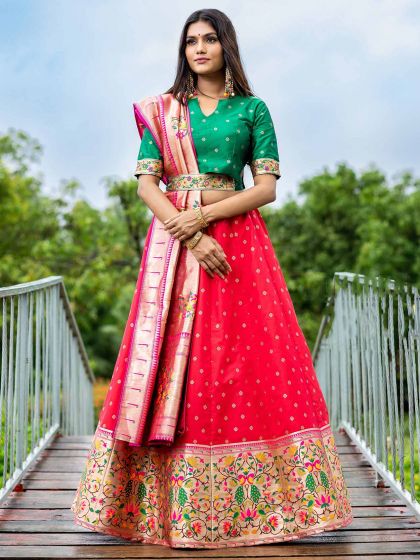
(201, 181)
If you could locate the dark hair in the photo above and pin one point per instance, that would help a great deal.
(227, 36)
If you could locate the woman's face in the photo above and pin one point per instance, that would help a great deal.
(202, 42)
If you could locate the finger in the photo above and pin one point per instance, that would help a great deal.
(172, 229)
(210, 264)
(219, 247)
(218, 266)
(221, 262)
(222, 255)
(206, 268)
(170, 219)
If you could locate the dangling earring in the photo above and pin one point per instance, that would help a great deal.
(229, 92)
(190, 85)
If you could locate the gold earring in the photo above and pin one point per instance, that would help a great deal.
(190, 85)
(229, 91)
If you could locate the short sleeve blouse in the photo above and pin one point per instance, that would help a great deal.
(239, 132)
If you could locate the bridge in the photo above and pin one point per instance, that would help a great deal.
(367, 358)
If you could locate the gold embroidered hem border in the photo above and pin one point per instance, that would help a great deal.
(201, 181)
(149, 166)
(213, 496)
(265, 165)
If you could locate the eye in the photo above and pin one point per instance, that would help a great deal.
(210, 39)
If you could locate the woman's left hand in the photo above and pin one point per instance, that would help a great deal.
(183, 225)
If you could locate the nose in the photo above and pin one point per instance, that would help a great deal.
(200, 45)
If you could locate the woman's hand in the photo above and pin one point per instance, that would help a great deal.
(211, 256)
(183, 225)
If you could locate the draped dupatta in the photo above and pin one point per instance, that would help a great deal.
(148, 383)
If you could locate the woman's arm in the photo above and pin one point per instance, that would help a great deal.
(208, 251)
(262, 192)
(149, 191)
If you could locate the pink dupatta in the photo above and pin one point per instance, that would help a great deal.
(148, 383)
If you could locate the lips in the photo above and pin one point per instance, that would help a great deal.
(202, 59)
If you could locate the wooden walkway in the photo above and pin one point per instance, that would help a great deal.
(38, 523)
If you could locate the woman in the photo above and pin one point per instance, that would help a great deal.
(214, 431)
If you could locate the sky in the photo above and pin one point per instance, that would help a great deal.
(341, 80)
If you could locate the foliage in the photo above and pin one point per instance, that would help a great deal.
(345, 222)
(340, 221)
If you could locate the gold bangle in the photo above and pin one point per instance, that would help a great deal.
(195, 239)
(201, 219)
(192, 242)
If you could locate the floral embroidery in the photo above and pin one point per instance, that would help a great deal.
(265, 165)
(197, 181)
(166, 377)
(214, 495)
(187, 305)
(180, 125)
(149, 166)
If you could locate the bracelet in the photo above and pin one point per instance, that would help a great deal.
(192, 241)
(201, 219)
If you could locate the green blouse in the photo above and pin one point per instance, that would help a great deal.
(238, 132)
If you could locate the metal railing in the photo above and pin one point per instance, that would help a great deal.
(367, 359)
(46, 381)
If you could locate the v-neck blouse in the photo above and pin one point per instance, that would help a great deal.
(238, 132)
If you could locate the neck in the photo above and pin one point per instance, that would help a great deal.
(213, 84)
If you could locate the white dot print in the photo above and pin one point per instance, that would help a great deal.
(248, 386)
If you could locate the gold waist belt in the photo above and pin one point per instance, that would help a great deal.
(201, 181)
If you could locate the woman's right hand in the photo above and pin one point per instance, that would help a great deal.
(211, 256)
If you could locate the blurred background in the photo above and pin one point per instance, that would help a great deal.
(341, 80)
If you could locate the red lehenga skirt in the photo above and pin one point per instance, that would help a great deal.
(257, 461)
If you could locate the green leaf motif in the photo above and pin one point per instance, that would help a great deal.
(255, 494)
(141, 492)
(182, 496)
(310, 482)
(324, 479)
(239, 495)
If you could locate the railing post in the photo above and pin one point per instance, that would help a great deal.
(42, 359)
(367, 359)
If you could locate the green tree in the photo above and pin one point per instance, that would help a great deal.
(339, 221)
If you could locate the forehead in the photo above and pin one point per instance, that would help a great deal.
(200, 29)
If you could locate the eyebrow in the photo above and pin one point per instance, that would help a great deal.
(205, 35)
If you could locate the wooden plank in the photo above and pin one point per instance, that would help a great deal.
(81, 446)
(40, 475)
(293, 549)
(73, 439)
(71, 453)
(51, 484)
(91, 538)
